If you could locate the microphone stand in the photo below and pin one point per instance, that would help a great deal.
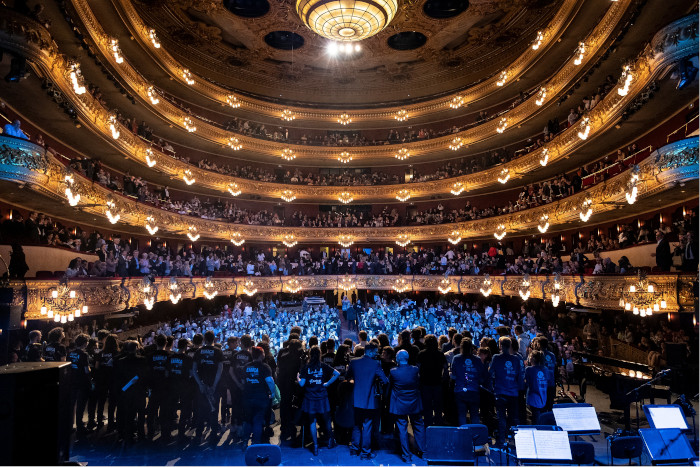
(636, 390)
(689, 407)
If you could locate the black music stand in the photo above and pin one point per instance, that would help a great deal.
(540, 447)
(667, 446)
(577, 419)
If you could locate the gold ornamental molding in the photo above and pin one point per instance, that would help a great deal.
(22, 161)
(111, 295)
(142, 32)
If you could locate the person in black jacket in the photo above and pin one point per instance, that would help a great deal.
(157, 362)
(130, 373)
(433, 372)
(18, 262)
(663, 252)
(80, 381)
(289, 363)
(406, 403)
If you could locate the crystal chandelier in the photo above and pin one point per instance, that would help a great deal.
(502, 78)
(288, 154)
(287, 115)
(292, 285)
(289, 240)
(189, 125)
(457, 102)
(524, 289)
(175, 293)
(400, 284)
(344, 157)
(209, 291)
(150, 158)
(234, 189)
(401, 115)
(445, 286)
(486, 286)
(187, 177)
(456, 143)
(342, 20)
(154, 38)
(545, 157)
(631, 194)
(237, 239)
(151, 225)
(500, 232)
(344, 119)
(346, 283)
(457, 188)
(71, 192)
(288, 196)
(557, 289)
(580, 51)
(543, 226)
(112, 213)
(585, 128)
(538, 40)
(233, 101)
(626, 80)
(148, 292)
(114, 126)
(249, 288)
(403, 195)
(403, 239)
(192, 233)
(454, 237)
(541, 96)
(63, 304)
(586, 210)
(643, 298)
(402, 154)
(116, 51)
(504, 176)
(345, 197)
(76, 79)
(234, 143)
(345, 240)
(502, 125)
(187, 76)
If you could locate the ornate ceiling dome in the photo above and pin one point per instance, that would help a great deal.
(346, 20)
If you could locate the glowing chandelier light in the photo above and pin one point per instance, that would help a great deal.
(249, 288)
(445, 286)
(175, 294)
(288, 196)
(292, 285)
(189, 124)
(148, 293)
(643, 298)
(403, 195)
(502, 78)
(557, 289)
(345, 240)
(345, 21)
(585, 128)
(209, 285)
(289, 240)
(586, 210)
(344, 119)
(457, 188)
(63, 304)
(187, 177)
(233, 101)
(538, 40)
(237, 239)
(455, 237)
(631, 194)
(504, 176)
(334, 48)
(403, 239)
(152, 95)
(544, 223)
(545, 157)
(344, 157)
(288, 154)
(500, 232)
(502, 125)
(486, 286)
(111, 212)
(234, 189)
(626, 80)
(456, 143)
(151, 225)
(287, 115)
(187, 76)
(524, 289)
(150, 158)
(400, 284)
(154, 38)
(541, 96)
(402, 154)
(76, 79)
(346, 283)
(116, 51)
(234, 143)
(114, 126)
(580, 52)
(345, 197)
(457, 102)
(192, 233)
(401, 115)
(72, 195)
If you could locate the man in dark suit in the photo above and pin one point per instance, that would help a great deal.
(689, 253)
(122, 265)
(364, 371)
(663, 252)
(405, 402)
(405, 344)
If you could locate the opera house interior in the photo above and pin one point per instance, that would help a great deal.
(236, 232)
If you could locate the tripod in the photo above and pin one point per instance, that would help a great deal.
(635, 393)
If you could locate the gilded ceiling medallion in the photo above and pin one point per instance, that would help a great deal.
(346, 20)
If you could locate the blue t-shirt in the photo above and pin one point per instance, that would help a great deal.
(505, 373)
(536, 380)
(468, 373)
(550, 362)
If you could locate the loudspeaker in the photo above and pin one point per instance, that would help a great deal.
(35, 420)
(263, 454)
(448, 444)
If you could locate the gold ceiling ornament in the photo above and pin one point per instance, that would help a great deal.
(543, 226)
(249, 288)
(152, 95)
(403, 195)
(175, 293)
(500, 232)
(502, 125)
(579, 53)
(234, 143)
(76, 79)
(288, 154)
(288, 196)
(292, 285)
(237, 238)
(192, 233)
(114, 126)
(287, 115)
(556, 297)
(344, 157)
(502, 78)
(148, 292)
(116, 51)
(234, 189)
(541, 96)
(187, 177)
(63, 304)
(586, 209)
(344, 119)
(209, 291)
(187, 76)
(455, 237)
(486, 286)
(345, 240)
(150, 158)
(346, 283)
(538, 40)
(345, 197)
(643, 297)
(457, 102)
(112, 212)
(401, 115)
(626, 80)
(151, 225)
(524, 288)
(189, 124)
(545, 157)
(457, 188)
(71, 190)
(456, 143)
(289, 240)
(445, 286)
(631, 193)
(402, 154)
(346, 20)
(403, 239)
(584, 128)
(233, 101)
(400, 284)
(154, 38)
(504, 176)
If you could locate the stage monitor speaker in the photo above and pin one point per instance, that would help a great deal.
(448, 445)
(263, 454)
(35, 419)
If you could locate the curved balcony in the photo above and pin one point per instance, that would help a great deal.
(25, 162)
(103, 296)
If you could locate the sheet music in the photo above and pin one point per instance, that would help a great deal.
(668, 417)
(552, 445)
(576, 419)
(525, 444)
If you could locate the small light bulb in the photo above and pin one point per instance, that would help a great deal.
(357, 47)
(43, 310)
(650, 288)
